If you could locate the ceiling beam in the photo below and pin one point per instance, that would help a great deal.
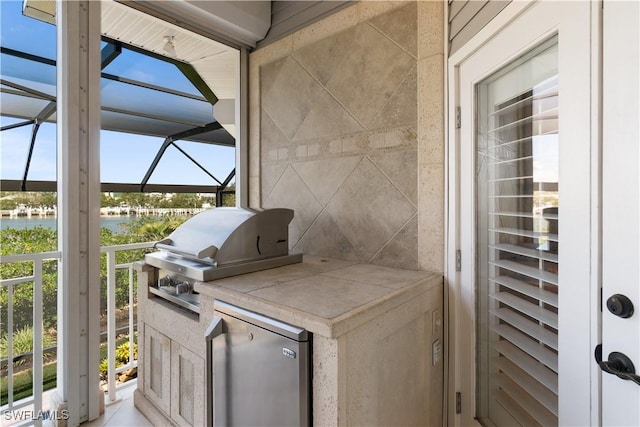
(17, 125)
(169, 141)
(110, 187)
(185, 68)
(192, 75)
(108, 76)
(109, 53)
(25, 55)
(34, 134)
(35, 93)
(202, 168)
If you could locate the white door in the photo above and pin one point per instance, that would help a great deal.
(621, 204)
(525, 312)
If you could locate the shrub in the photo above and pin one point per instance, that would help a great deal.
(122, 352)
(122, 358)
(23, 342)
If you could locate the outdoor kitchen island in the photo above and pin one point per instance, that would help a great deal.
(377, 341)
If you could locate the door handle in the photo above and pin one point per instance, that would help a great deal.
(618, 364)
(620, 305)
(216, 328)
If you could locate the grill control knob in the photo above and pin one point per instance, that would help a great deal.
(164, 281)
(183, 288)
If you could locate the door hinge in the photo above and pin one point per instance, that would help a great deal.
(458, 117)
(458, 402)
(458, 260)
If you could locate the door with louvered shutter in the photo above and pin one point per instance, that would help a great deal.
(525, 224)
(518, 206)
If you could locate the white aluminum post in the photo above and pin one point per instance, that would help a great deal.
(131, 302)
(242, 131)
(111, 324)
(78, 141)
(10, 354)
(37, 338)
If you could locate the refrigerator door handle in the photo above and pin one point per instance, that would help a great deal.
(215, 329)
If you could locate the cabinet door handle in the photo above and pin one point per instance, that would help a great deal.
(618, 364)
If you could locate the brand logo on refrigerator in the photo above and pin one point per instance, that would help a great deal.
(289, 353)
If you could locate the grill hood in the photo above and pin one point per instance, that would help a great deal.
(223, 242)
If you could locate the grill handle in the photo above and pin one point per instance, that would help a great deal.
(208, 252)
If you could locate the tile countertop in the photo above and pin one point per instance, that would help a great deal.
(325, 296)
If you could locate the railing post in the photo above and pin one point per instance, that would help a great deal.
(10, 344)
(37, 358)
(131, 301)
(111, 324)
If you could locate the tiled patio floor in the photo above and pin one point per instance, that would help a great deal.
(121, 413)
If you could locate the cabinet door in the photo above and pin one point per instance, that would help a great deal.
(187, 394)
(157, 365)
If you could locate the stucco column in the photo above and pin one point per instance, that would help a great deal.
(78, 142)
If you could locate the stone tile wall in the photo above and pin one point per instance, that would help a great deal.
(335, 135)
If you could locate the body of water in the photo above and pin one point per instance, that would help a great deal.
(113, 223)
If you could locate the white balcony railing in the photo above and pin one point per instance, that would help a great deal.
(33, 404)
(112, 267)
(37, 358)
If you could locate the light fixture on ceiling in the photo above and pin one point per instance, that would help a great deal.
(169, 46)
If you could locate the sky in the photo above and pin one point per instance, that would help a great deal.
(123, 157)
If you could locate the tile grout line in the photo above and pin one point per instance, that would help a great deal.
(325, 89)
(391, 97)
(394, 42)
(415, 215)
(314, 198)
(326, 207)
(393, 183)
(264, 198)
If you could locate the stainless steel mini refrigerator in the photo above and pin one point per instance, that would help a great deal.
(258, 370)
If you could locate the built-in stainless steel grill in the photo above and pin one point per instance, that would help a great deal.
(219, 243)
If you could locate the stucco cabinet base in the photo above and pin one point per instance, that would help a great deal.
(377, 341)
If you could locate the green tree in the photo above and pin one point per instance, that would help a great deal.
(133, 199)
(48, 199)
(106, 201)
(184, 200)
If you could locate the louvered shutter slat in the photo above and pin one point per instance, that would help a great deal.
(530, 365)
(542, 394)
(527, 402)
(526, 344)
(532, 253)
(532, 310)
(526, 289)
(530, 328)
(534, 273)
